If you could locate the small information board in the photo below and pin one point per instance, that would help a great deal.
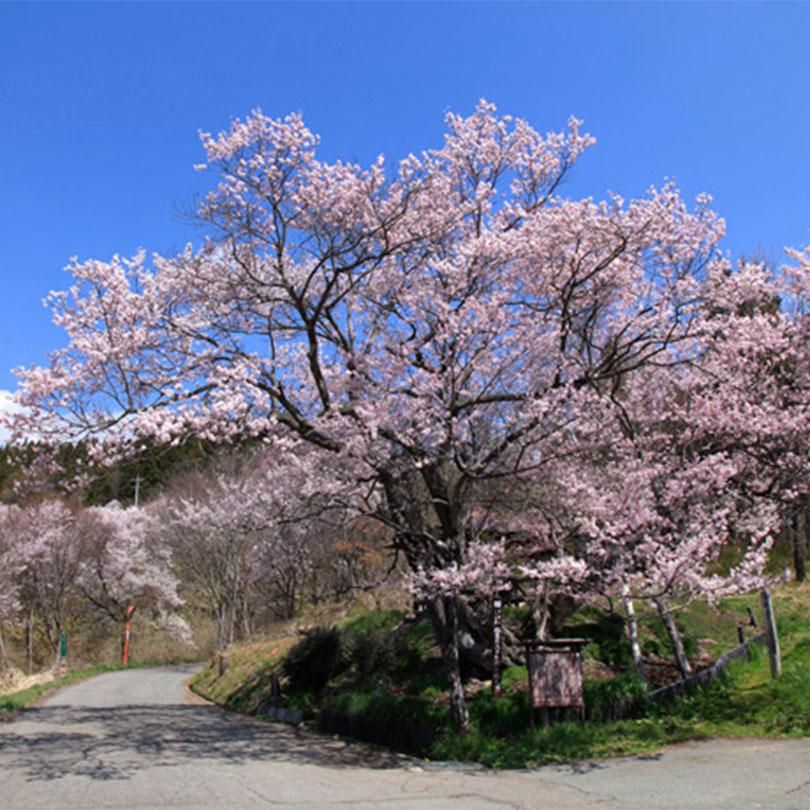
(555, 674)
(63, 669)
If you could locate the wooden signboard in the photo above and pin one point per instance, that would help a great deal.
(555, 674)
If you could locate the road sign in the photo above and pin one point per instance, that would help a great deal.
(63, 657)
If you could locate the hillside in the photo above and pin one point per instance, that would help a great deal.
(378, 675)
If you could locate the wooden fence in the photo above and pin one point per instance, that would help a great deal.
(707, 675)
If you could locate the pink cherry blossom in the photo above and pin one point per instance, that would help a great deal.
(449, 331)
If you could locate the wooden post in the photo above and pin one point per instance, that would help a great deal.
(674, 637)
(770, 632)
(497, 645)
(635, 646)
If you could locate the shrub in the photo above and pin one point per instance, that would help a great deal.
(504, 716)
(616, 698)
(371, 653)
(316, 659)
(609, 642)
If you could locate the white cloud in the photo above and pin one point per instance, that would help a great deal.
(7, 405)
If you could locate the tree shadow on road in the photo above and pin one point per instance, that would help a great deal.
(52, 742)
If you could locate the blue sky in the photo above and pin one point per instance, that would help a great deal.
(101, 104)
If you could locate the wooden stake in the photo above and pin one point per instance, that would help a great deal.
(674, 637)
(770, 632)
(635, 646)
(497, 645)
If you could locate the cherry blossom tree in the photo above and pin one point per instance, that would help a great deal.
(49, 548)
(126, 566)
(211, 523)
(10, 569)
(648, 515)
(753, 401)
(10, 563)
(427, 328)
(253, 534)
(56, 557)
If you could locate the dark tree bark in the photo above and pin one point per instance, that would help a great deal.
(5, 664)
(458, 705)
(799, 532)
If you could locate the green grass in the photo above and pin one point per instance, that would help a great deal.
(501, 738)
(746, 702)
(407, 689)
(389, 713)
(246, 684)
(372, 622)
(562, 742)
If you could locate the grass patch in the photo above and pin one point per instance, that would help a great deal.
(390, 680)
(562, 742)
(245, 682)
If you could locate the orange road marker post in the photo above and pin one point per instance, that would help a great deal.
(130, 608)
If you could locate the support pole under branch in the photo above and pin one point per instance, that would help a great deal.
(497, 645)
(770, 633)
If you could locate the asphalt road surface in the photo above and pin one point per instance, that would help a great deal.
(137, 739)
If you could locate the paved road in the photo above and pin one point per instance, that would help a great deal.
(136, 739)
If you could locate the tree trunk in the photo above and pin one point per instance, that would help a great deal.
(222, 642)
(458, 705)
(674, 637)
(52, 622)
(444, 616)
(635, 647)
(799, 532)
(5, 664)
(29, 639)
(541, 613)
(475, 642)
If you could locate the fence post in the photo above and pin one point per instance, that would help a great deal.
(770, 632)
